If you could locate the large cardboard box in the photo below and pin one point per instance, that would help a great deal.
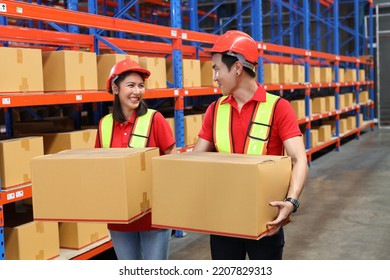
(21, 70)
(363, 97)
(341, 75)
(313, 138)
(158, 69)
(69, 70)
(343, 125)
(15, 156)
(350, 75)
(324, 133)
(171, 122)
(80, 235)
(271, 73)
(330, 103)
(315, 75)
(192, 126)
(299, 107)
(104, 64)
(94, 185)
(318, 105)
(362, 75)
(56, 142)
(191, 72)
(285, 73)
(207, 74)
(341, 101)
(230, 195)
(299, 73)
(32, 241)
(348, 98)
(326, 74)
(351, 122)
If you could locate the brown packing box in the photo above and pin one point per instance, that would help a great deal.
(32, 241)
(56, 142)
(341, 75)
(313, 138)
(326, 74)
(298, 73)
(207, 74)
(361, 120)
(324, 133)
(343, 125)
(299, 107)
(271, 73)
(15, 156)
(348, 99)
(192, 126)
(351, 122)
(94, 185)
(191, 72)
(350, 75)
(332, 124)
(230, 195)
(171, 122)
(285, 73)
(362, 75)
(318, 105)
(315, 75)
(80, 235)
(364, 97)
(330, 103)
(104, 64)
(21, 70)
(69, 70)
(341, 101)
(158, 68)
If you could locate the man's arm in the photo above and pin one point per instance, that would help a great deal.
(203, 145)
(296, 150)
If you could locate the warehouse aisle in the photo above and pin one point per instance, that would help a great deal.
(345, 209)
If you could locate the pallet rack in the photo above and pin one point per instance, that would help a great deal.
(178, 42)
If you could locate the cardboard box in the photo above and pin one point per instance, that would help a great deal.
(315, 75)
(271, 73)
(207, 74)
(158, 69)
(104, 64)
(298, 73)
(341, 101)
(318, 105)
(56, 142)
(351, 122)
(69, 70)
(216, 201)
(343, 125)
(326, 74)
(313, 138)
(21, 70)
(362, 75)
(15, 156)
(94, 185)
(348, 99)
(192, 126)
(299, 107)
(363, 97)
(285, 73)
(191, 72)
(32, 241)
(332, 124)
(330, 104)
(341, 75)
(171, 122)
(350, 75)
(361, 120)
(324, 133)
(80, 235)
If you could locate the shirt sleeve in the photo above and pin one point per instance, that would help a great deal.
(206, 132)
(286, 120)
(162, 133)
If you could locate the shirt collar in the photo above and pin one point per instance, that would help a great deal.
(259, 96)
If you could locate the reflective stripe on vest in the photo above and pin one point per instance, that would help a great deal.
(257, 134)
(139, 135)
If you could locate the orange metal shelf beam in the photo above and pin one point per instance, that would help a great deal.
(12, 195)
(93, 252)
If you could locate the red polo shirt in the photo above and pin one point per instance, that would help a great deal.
(161, 137)
(284, 125)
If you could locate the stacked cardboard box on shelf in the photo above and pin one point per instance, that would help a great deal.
(315, 75)
(207, 74)
(192, 126)
(299, 107)
(285, 73)
(191, 72)
(326, 74)
(298, 73)
(158, 69)
(271, 73)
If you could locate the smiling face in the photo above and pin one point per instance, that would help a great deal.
(130, 91)
(225, 79)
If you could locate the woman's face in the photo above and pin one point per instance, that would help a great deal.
(131, 91)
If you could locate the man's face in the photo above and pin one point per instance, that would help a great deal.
(225, 79)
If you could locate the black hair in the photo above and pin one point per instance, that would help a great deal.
(229, 60)
(117, 109)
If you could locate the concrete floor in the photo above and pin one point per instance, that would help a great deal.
(345, 207)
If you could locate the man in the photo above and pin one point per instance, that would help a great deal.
(246, 119)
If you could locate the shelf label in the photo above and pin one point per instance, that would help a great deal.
(19, 10)
(176, 92)
(6, 101)
(19, 194)
(184, 35)
(215, 90)
(3, 8)
(79, 97)
(173, 33)
(10, 196)
(186, 92)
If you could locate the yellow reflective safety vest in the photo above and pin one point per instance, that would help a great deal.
(139, 134)
(258, 131)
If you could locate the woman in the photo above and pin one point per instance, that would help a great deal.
(132, 124)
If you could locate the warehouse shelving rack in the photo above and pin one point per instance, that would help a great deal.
(179, 43)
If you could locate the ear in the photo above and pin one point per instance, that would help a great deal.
(238, 67)
(115, 89)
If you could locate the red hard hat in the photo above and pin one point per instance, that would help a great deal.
(124, 66)
(237, 42)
